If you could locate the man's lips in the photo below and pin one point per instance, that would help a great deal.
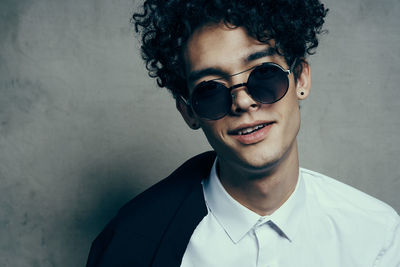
(248, 134)
(248, 128)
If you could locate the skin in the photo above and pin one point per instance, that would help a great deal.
(261, 175)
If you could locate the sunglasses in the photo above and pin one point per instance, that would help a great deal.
(267, 84)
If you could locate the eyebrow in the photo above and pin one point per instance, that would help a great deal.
(270, 51)
(197, 74)
(213, 71)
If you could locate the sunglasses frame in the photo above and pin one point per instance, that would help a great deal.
(188, 102)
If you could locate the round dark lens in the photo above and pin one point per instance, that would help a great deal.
(268, 84)
(211, 100)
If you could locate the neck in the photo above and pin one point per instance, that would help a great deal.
(263, 191)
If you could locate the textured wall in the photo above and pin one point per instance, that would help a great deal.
(81, 124)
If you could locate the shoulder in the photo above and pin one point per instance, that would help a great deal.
(142, 222)
(351, 222)
(349, 215)
(171, 190)
(334, 195)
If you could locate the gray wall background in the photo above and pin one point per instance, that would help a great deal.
(83, 129)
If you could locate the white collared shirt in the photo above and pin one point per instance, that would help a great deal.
(323, 223)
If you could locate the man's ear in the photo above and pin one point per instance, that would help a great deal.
(187, 113)
(303, 84)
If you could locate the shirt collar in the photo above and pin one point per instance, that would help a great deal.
(237, 220)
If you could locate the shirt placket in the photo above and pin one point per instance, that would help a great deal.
(267, 240)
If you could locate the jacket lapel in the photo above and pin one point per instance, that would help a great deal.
(188, 215)
(176, 238)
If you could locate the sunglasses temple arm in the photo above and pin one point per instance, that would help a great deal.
(292, 66)
(184, 100)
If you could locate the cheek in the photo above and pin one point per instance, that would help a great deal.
(213, 132)
(289, 112)
(210, 129)
(293, 117)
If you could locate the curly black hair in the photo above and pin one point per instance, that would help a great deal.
(166, 25)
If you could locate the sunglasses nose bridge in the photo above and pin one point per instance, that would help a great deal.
(242, 101)
(233, 90)
(237, 86)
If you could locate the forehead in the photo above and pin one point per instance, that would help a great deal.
(219, 46)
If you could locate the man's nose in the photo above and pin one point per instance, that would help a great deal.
(242, 101)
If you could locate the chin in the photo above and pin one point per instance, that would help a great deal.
(254, 161)
(264, 158)
(261, 164)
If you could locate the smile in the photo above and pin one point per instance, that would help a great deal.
(251, 129)
(251, 134)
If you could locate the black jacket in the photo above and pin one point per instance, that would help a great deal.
(155, 227)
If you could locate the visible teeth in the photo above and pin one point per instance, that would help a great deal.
(250, 129)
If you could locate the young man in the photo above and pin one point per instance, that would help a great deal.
(238, 71)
